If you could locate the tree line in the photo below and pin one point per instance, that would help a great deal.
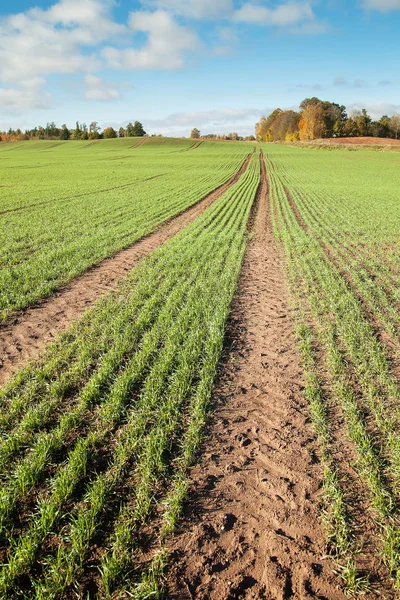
(234, 136)
(322, 119)
(80, 132)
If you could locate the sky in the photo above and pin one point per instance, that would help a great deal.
(217, 65)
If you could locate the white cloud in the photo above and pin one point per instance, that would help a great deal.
(97, 89)
(40, 43)
(382, 5)
(28, 95)
(68, 38)
(196, 9)
(165, 48)
(102, 94)
(209, 121)
(343, 82)
(284, 15)
(375, 109)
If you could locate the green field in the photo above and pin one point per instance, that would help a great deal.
(97, 435)
(338, 217)
(64, 207)
(118, 403)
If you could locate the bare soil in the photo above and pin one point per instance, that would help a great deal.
(363, 141)
(251, 528)
(28, 332)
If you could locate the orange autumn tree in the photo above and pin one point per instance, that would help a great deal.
(312, 123)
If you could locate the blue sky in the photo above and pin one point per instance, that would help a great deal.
(177, 64)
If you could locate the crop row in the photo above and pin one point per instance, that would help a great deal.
(351, 385)
(97, 437)
(48, 244)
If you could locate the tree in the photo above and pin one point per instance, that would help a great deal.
(263, 127)
(94, 130)
(138, 130)
(285, 125)
(381, 128)
(65, 133)
(195, 134)
(51, 130)
(109, 132)
(309, 102)
(84, 133)
(394, 124)
(350, 128)
(121, 132)
(312, 124)
(77, 131)
(362, 121)
(129, 132)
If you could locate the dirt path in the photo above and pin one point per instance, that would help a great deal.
(251, 529)
(24, 336)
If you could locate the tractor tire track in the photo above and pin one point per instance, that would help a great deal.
(251, 529)
(28, 332)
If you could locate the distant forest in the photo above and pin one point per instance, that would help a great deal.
(81, 132)
(322, 119)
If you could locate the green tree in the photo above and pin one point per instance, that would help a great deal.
(138, 130)
(94, 130)
(350, 128)
(65, 133)
(129, 132)
(381, 128)
(121, 132)
(362, 121)
(195, 134)
(77, 131)
(84, 132)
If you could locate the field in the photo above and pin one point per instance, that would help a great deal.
(267, 294)
(112, 194)
(340, 229)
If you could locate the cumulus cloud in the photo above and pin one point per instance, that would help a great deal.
(40, 43)
(77, 37)
(382, 5)
(165, 48)
(283, 15)
(196, 9)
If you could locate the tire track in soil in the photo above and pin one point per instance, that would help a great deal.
(250, 528)
(28, 332)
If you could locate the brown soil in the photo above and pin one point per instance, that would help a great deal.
(363, 141)
(296, 211)
(28, 332)
(251, 529)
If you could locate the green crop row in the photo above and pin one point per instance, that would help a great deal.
(65, 208)
(98, 436)
(331, 224)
